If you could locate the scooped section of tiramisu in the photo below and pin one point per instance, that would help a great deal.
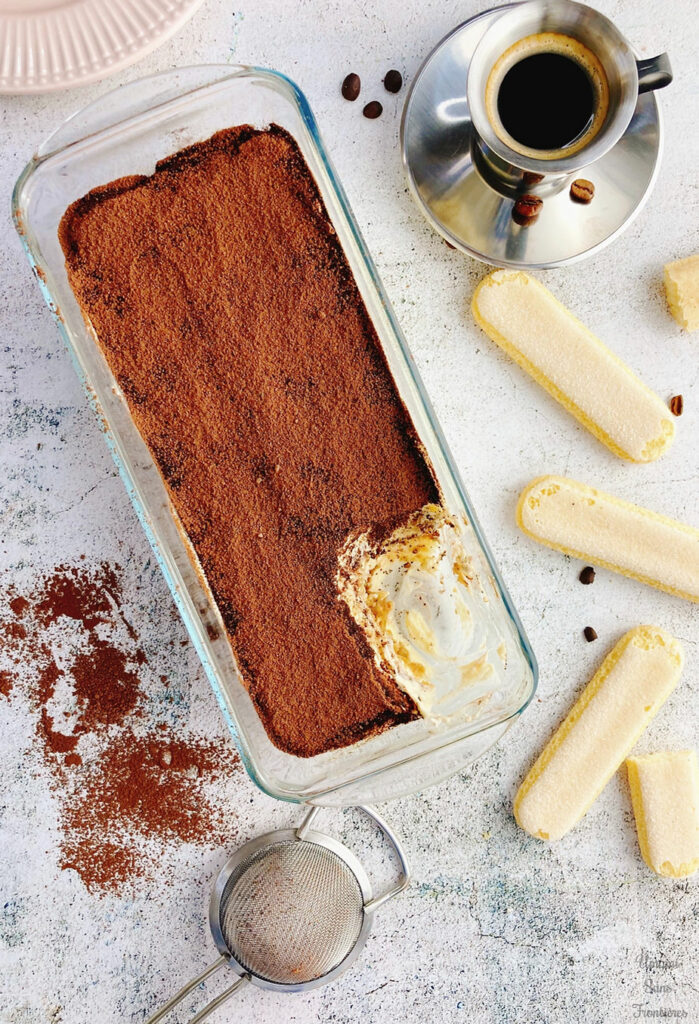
(418, 598)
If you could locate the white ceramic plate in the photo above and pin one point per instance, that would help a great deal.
(55, 44)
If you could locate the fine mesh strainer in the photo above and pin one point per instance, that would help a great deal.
(290, 910)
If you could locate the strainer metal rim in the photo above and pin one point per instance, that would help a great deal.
(248, 850)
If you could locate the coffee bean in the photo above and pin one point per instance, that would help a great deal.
(351, 86)
(448, 243)
(526, 209)
(590, 634)
(676, 405)
(373, 110)
(587, 576)
(582, 191)
(393, 81)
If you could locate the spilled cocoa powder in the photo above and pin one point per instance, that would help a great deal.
(5, 683)
(104, 687)
(151, 787)
(126, 787)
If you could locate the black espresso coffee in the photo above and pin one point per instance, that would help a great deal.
(546, 101)
(547, 95)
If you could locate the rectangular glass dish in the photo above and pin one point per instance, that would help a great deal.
(128, 132)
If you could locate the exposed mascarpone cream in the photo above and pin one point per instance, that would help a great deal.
(419, 601)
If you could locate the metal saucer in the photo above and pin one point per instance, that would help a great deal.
(437, 151)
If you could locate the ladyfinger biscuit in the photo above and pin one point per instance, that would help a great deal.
(627, 690)
(604, 530)
(665, 797)
(565, 358)
(682, 290)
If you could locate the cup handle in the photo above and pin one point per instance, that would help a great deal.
(654, 73)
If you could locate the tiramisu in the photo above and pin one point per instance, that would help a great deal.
(231, 321)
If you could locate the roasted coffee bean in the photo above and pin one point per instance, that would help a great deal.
(373, 110)
(587, 576)
(582, 191)
(526, 209)
(676, 405)
(590, 634)
(393, 81)
(351, 86)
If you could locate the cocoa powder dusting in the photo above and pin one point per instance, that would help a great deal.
(19, 605)
(5, 683)
(133, 783)
(148, 795)
(230, 318)
(104, 705)
(67, 591)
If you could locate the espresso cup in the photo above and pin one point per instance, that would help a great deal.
(595, 80)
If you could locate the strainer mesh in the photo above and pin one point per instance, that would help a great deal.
(291, 912)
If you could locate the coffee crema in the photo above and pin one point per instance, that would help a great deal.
(547, 96)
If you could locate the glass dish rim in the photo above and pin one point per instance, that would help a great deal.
(221, 73)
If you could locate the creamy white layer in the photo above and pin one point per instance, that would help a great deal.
(419, 601)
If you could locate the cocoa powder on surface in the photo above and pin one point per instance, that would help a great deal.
(127, 786)
(5, 683)
(230, 318)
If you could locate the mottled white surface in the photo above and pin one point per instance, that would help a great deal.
(496, 926)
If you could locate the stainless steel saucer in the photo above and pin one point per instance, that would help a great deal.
(438, 155)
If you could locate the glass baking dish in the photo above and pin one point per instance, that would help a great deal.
(127, 132)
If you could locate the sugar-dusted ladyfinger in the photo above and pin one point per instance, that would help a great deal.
(682, 290)
(665, 797)
(603, 530)
(574, 366)
(599, 731)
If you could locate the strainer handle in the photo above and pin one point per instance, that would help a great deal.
(221, 998)
(404, 876)
(190, 986)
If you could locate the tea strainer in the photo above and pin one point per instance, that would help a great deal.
(290, 911)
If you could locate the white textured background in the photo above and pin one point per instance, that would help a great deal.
(496, 926)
